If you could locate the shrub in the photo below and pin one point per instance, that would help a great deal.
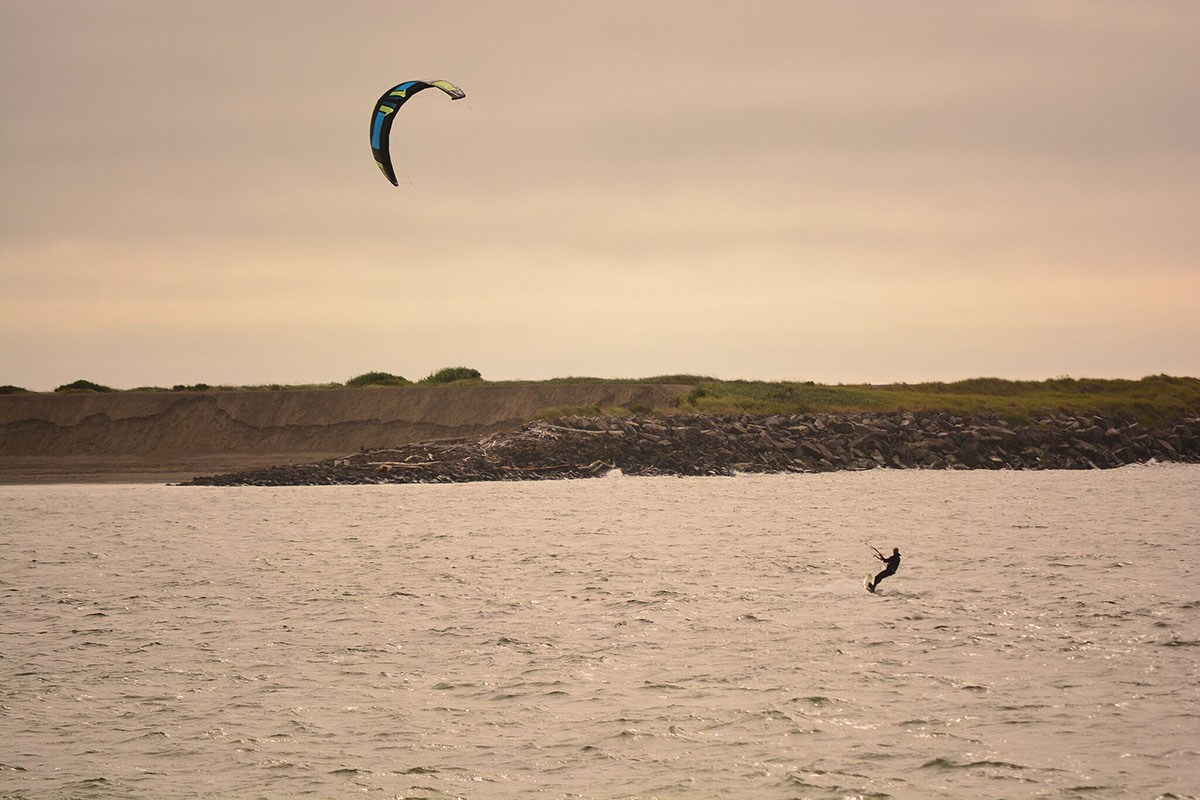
(592, 410)
(376, 379)
(452, 374)
(9, 389)
(84, 386)
(195, 387)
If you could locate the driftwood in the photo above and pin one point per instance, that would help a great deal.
(579, 447)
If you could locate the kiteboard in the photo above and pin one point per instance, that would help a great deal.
(867, 584)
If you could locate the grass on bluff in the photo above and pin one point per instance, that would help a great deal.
(1153, 400)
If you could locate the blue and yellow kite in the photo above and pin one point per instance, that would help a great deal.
(385, 109)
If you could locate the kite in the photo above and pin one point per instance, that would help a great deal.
(385, 111)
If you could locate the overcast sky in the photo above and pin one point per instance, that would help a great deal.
(840, 192)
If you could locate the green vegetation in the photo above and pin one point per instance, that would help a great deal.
(280, 387)
(376, 379)
(451, 375)
(10, 389)
(1154, 400)
(83, 386)
(587, 411)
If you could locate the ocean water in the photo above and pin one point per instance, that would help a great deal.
(610, 638)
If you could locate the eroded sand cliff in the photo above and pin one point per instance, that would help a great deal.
(174, 435)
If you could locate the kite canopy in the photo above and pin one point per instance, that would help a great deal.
(385, 110)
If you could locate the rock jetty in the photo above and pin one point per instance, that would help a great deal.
(701, 444)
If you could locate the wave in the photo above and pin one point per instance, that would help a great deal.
(950, 764)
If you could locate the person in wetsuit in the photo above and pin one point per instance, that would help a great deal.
(892, 563)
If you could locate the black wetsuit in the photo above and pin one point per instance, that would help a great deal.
(893, 563)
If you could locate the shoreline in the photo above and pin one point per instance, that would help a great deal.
(134, 469)
(507, 432)
(723, 445)
(174, 436)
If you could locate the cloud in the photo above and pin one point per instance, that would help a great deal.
(879, 174)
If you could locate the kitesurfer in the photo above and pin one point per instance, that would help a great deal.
(892, 563)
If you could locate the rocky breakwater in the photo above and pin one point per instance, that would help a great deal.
(577, 447)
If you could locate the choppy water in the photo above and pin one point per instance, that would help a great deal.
(609, 638)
